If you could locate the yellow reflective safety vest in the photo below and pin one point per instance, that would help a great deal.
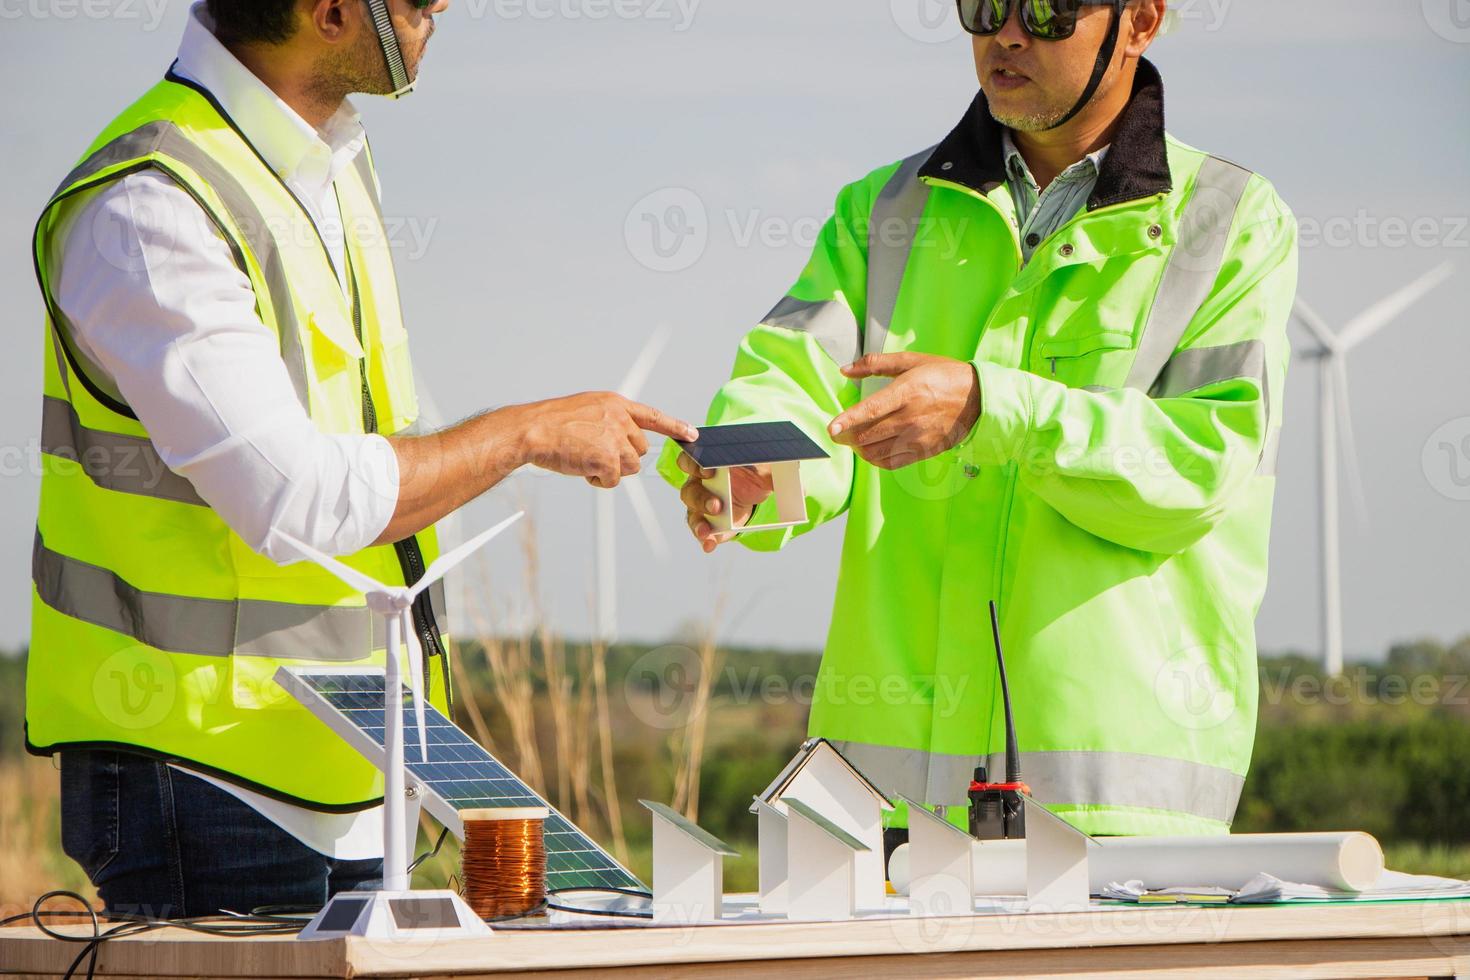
(155, 628)
(1114, 496)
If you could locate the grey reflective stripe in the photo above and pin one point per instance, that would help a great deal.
(127, 464)
(1193, 266)
(1196, 367)
(830, 323)
(163, 137)
(892, 226)
(1127, 779)
(208, 627)
(1121, 779)
(1269, 452)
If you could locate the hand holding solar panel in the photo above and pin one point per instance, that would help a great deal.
(778, 447)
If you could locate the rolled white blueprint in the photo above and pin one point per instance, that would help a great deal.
(1349, 860)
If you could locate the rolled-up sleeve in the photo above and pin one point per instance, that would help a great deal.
(159, 312)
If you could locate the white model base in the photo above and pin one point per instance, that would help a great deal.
(395, 915)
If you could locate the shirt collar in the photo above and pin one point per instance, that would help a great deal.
(1136, 165)
(295, 149)
(1089, 166)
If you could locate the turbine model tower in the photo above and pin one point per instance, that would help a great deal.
(1336, 433)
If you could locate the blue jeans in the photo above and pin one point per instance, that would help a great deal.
(162, 843)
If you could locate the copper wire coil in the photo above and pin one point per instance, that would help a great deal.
(503, 861)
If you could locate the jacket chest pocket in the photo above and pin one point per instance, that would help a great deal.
(1100, 358)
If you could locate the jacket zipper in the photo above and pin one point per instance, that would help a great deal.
(998, 571)
(410, 555)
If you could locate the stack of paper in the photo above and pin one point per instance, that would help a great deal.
(1265, 889)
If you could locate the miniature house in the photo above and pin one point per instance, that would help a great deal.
(779, 445)
(821, 873)
(829, 784)
(688, 868)
(941, 866)
(771, 845)
(1056, 861)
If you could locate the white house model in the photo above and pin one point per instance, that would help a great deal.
(779, 446)
(825, 781)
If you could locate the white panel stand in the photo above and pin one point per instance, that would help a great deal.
(1056, 862)
(943, 875)
(688, 869)
(829, 785)
(821, 867)
(771, 834)
(788, 491)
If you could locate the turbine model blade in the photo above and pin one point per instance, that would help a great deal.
(637, 375)
(415, 677)
(1386, 310)
(1337, 375)
(445, 562)
(1308, 318)
(358, 580)
(643, 507)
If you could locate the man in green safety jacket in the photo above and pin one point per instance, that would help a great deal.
(226, 370)
(1047, 357)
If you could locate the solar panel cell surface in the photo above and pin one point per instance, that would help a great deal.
(466, 776)
(750, 444)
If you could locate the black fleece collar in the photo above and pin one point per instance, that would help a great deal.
(1136, 166)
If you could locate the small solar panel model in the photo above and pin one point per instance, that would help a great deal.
(778, 445)
(395, 911)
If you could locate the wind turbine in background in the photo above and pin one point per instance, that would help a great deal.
(1336, 433)
(605, 503)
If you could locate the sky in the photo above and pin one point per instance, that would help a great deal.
(576, 176)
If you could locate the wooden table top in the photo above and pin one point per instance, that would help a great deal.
(1365, 939)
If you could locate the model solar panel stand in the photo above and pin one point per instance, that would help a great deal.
(778, 445)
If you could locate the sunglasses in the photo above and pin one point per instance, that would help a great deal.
(1045, 20)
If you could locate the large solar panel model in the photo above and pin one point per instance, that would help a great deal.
(779, 446)
(458, 773)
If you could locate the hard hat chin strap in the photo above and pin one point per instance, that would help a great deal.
(1100, 68)
(392, 53)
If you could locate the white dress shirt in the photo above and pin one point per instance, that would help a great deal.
(160, 314)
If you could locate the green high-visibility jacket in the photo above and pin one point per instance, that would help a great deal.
(1114, 496)
(155, 628)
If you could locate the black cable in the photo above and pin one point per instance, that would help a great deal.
(618, 913)
(443, 833)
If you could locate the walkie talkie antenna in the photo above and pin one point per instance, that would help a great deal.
(1013, 752)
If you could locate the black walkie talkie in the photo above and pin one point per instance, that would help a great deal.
(997, 811)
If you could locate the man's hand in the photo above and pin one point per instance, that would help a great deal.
(931, 405)
(749, 485)
(597, 435)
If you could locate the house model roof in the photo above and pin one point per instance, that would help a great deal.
(826, 826)
(751, 444)
(798, 762)
(700, 836)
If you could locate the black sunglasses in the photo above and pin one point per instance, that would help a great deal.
(1045, 20)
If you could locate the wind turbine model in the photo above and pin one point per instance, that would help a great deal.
(606, 510)
(1331, 359)
(396, 910)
